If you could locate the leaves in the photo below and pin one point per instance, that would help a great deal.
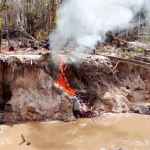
(4, 5)
(32, 15)
(1, 22)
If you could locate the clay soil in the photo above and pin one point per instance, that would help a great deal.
(29, 91)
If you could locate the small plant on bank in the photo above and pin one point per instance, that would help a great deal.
(99, 50)
(1, 22)
(41, 34)
(135, 67)
(117, 51)
(21, 24)
(139, 50)
(126, 53)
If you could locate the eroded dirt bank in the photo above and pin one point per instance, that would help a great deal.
(29, 93)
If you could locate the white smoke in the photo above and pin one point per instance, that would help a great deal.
(87, 21)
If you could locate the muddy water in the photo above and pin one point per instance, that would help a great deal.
(129, 130)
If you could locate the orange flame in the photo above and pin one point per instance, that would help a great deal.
(61, 79)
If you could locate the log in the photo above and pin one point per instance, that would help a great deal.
(23, 138)
(131, 61)
(32, 43)
(126, 42)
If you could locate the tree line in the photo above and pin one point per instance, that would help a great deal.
(38, 18)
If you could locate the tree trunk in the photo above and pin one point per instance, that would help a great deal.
(139, 25)
(0, 41)
(50, 7)
(50, 15)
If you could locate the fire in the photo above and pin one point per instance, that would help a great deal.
(61, 79)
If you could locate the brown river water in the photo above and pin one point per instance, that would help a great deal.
(131, 131)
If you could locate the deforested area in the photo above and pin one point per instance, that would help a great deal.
(75, 74)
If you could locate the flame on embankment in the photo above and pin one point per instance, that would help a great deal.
(61, 79)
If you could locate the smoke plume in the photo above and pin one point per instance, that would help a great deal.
(87, 21)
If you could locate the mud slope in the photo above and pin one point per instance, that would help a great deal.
(28, 91)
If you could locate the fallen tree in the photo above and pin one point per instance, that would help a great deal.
(26, 39)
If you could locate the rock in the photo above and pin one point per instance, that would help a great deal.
(41, 100)
(2, 119)
(57, 89)
(139, 95)
(137, 81)
(147, 96)
(138, 84)
(141, 109)
(76, 105)
(115, 101)
(8, 108)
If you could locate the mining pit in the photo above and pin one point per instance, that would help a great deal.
(52, 86)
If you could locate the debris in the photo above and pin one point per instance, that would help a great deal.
(93, 119)
(25, 40)
(28, 142)
(89, 57)
(23, 138)
(11, 48)
(79, 105)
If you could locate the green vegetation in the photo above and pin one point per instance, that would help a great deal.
(41, 34)
(0, 22)
(135, 67)
(4, 5)
(38, 17)
(99, 50)
(140, 50)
